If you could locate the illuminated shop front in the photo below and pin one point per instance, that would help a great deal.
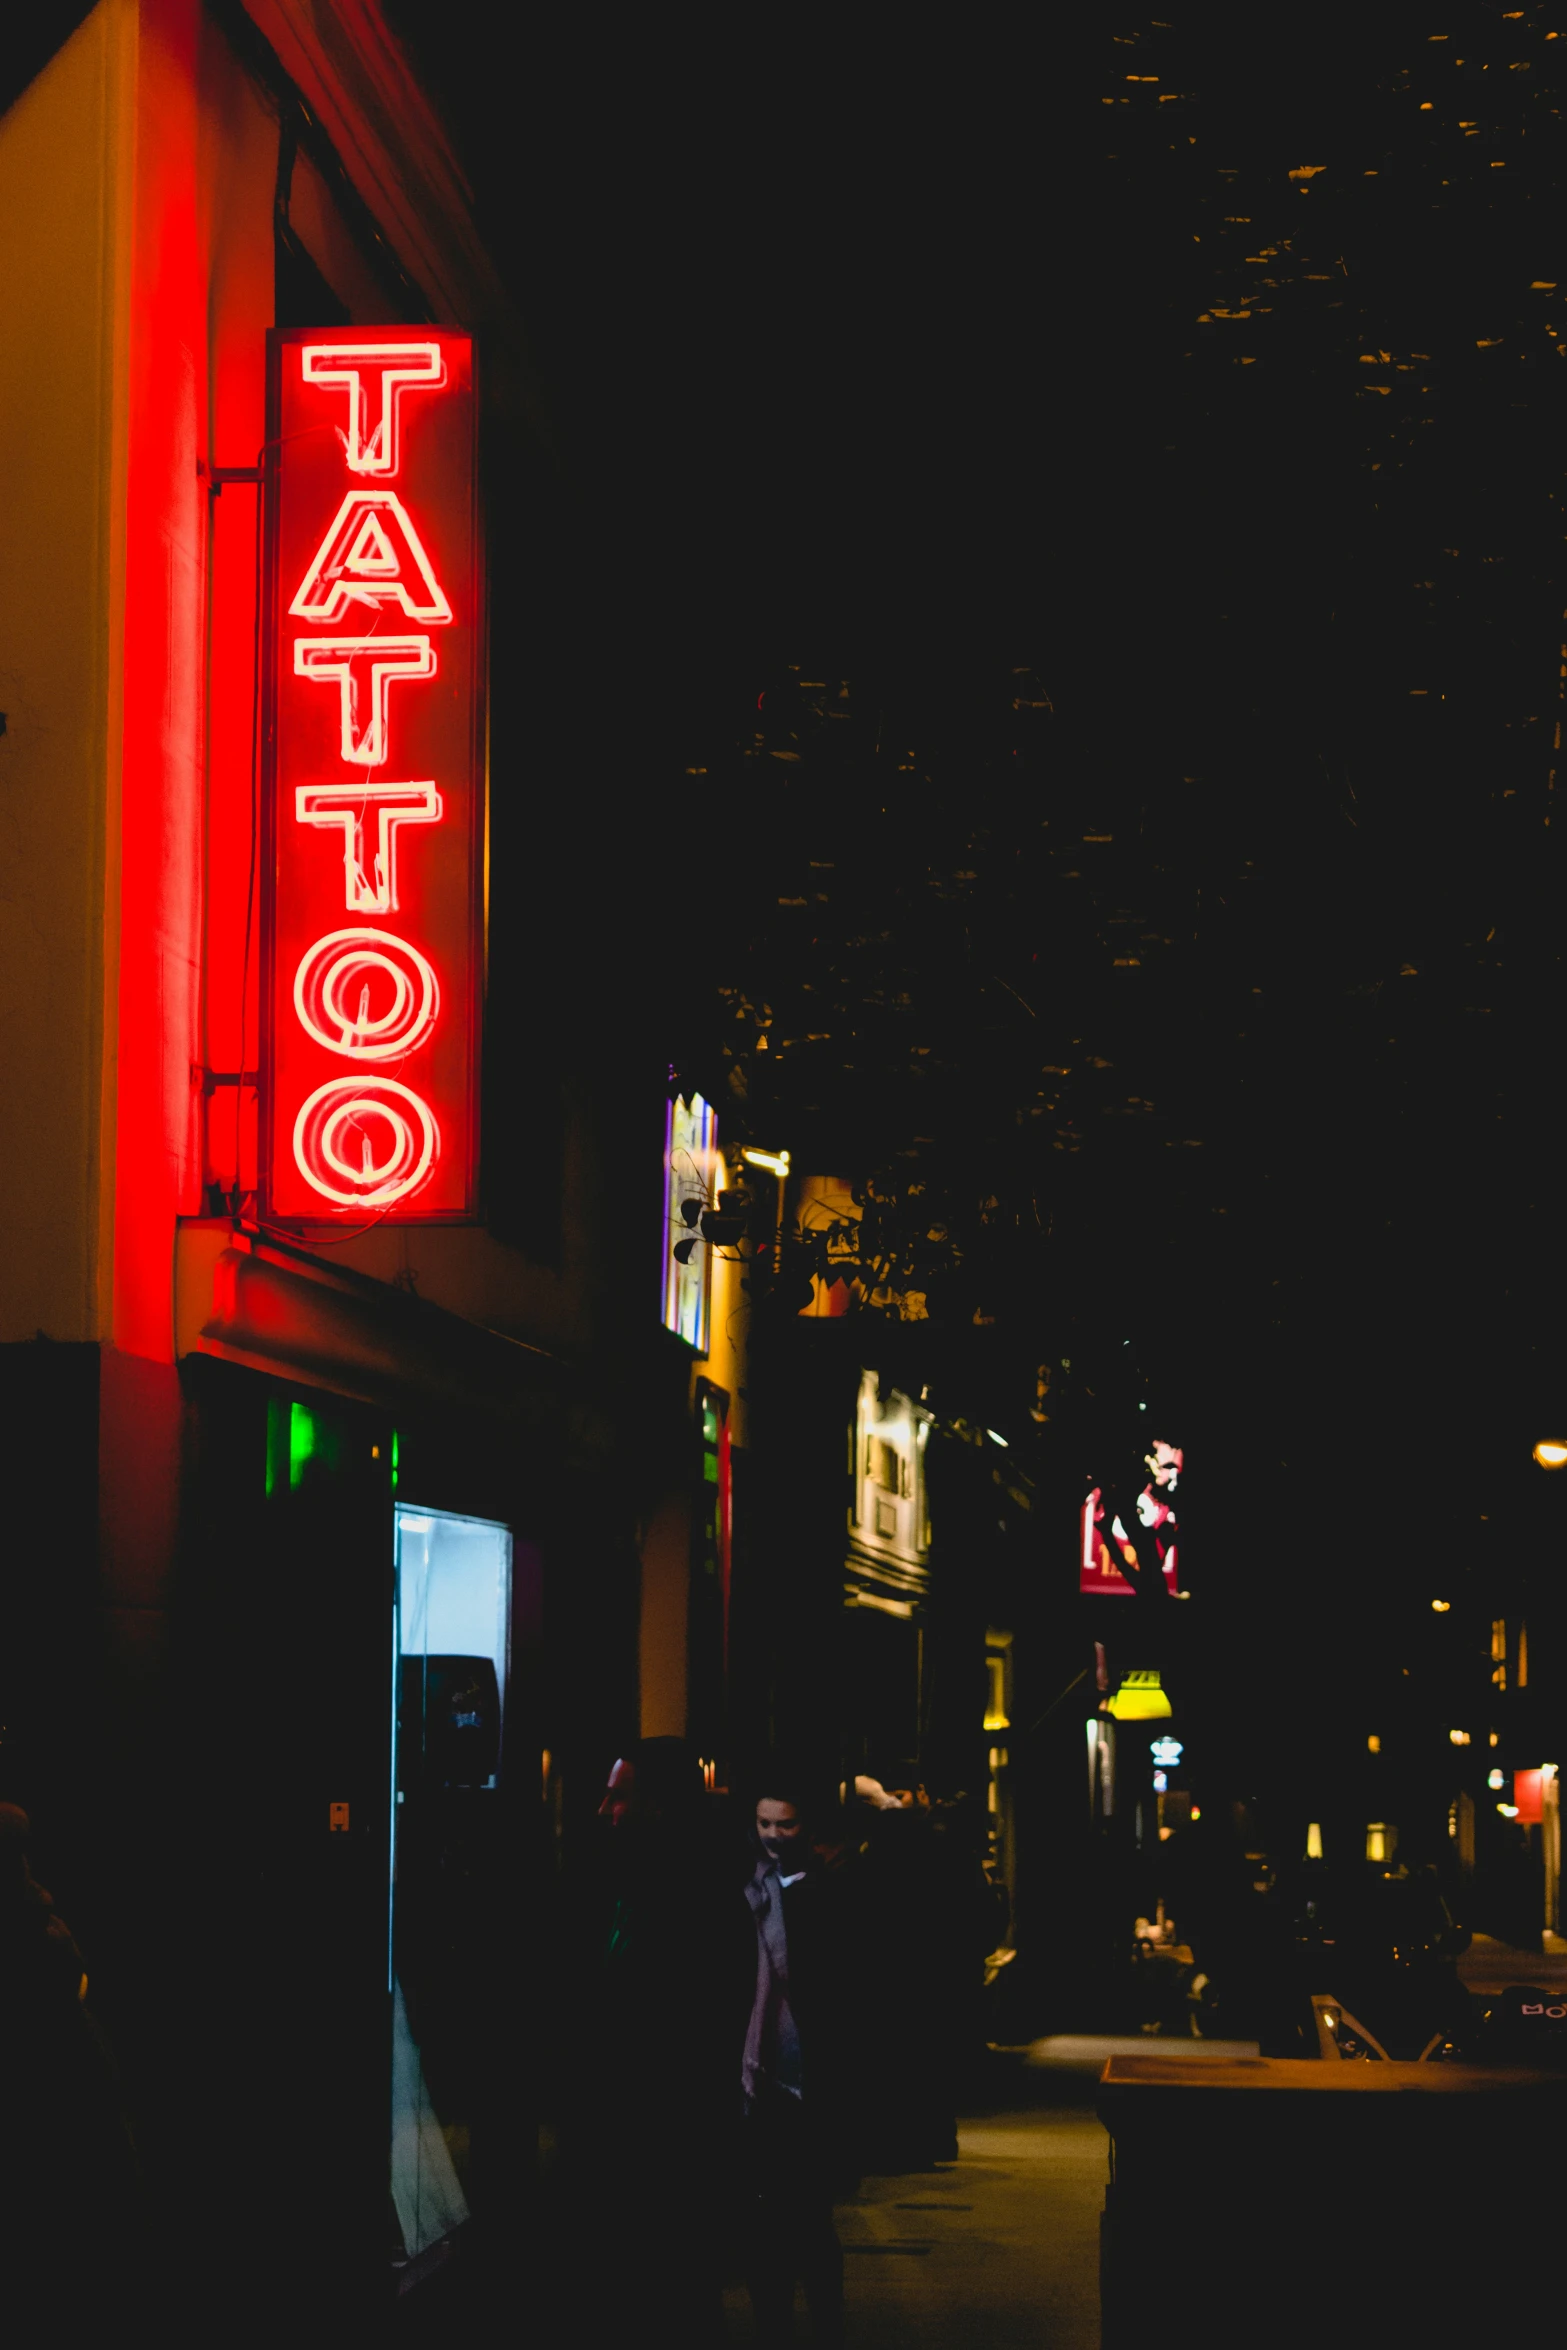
(699, 1310)
(886, 1575)
(330, 1449)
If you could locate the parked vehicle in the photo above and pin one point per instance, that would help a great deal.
(1525, 2024)
(1367, 1968)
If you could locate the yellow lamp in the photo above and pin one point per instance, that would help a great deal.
(1551, 1453)
(1140, 1699)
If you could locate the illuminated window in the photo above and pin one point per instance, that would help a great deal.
(691, 1172)
(889, 1505)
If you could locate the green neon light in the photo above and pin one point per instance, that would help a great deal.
(394, 1460)
(301, 1443)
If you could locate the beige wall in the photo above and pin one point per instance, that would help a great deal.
(664, 1652)
(136, 178)
(666, 1592)
(61, 161)
(728, 1333)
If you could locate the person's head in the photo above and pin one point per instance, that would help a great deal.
(655, 1779)
(1165, 1463)
(785, 1817)
(781, 1831)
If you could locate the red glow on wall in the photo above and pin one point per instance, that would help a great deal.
(374, 787)
(155, 834)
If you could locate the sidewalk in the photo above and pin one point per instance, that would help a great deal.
(1001, 2247)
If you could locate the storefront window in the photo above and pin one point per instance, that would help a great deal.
(453, 1606)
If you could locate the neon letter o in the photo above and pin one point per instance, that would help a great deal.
(332, 994)
(325, 1128)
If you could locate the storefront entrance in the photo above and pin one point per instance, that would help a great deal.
(450, 1654)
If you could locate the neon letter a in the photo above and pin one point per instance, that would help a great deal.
(371, 555)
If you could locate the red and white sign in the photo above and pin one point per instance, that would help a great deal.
(374, 780)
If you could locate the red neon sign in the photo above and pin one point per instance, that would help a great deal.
(373, 781)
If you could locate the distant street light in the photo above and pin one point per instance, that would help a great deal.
(1551, 1453)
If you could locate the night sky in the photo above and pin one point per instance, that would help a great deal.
(1069, 524)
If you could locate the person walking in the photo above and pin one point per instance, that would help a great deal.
(68, 2173)
(660, 2003)
(797, 2070)
(936, 1915)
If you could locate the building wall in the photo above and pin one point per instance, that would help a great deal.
(63, 170)
(153, 923)
(676, 1683)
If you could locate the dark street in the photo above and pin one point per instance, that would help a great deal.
(781, 1307)
(1001, 2246)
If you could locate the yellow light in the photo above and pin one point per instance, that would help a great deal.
(777, 1163)
(1551, 1453)
(1509, 1811)
(1313, 1840)
(1441, 1607)
(1373, 1744)
(1461, 1737)
(1140, 1699)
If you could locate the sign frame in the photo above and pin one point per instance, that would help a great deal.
(373, 473)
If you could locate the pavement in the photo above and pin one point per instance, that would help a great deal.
(999, 2249)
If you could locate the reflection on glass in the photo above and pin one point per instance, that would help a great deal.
(452, 1626)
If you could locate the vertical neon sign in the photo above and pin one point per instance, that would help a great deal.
(373, 781)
